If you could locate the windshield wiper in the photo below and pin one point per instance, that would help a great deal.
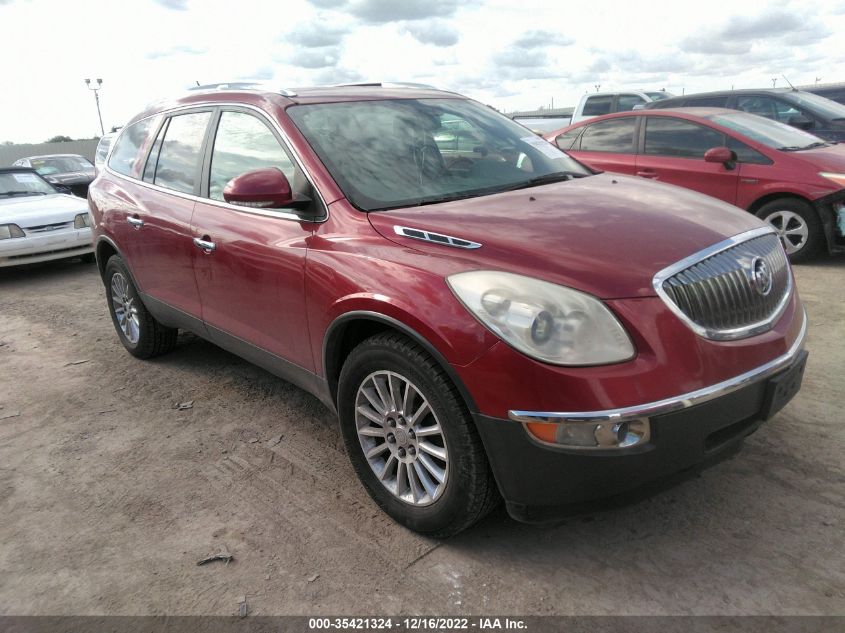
(23, 193)
(795, 148)
(546, 179)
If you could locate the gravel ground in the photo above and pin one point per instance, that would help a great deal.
(109, 495)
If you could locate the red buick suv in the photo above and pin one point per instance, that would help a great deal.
(488, 317)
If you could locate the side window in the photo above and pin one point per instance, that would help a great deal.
(745, 154)
(243, 143)
(616, 135)
(178, 158)
(596, 106)
(566, 140)
(152, 159)
(707, 102)
(667, 136)
(768, 107)
(626, 103)
(128, 147)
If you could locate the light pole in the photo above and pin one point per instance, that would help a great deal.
(97, 100)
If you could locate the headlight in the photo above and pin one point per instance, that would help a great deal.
(545, 321)
(8, 231)
(839, 179)
(81, 221)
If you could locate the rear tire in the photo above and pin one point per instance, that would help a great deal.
(798, 226)
(438, 482)
(140, 333)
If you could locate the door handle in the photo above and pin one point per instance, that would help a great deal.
(204, 244)
(135, 221)
(647, 173)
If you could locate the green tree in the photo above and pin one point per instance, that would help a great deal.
(59, 139)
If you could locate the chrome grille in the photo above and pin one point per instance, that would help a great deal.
(717, 292)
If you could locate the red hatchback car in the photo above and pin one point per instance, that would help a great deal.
(789, 178)
(488, 319)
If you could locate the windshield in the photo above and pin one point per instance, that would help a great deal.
(770, 133)
(657, 96)
(818, 105)
(60, 165)
(405, 152)
(23, 183)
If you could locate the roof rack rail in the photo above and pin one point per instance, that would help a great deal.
(388, 84)
(244, 85)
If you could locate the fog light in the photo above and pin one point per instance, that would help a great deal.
(593, 435)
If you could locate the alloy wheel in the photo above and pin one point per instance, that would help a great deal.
(401, 438)
(791, 228)
(125, 309)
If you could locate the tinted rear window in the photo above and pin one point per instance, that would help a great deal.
(128, 147)
(178, 160)
(615, 135)
(597, 106)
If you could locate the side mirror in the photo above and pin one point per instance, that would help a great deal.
(266, 188)
(801, 122)
(720, 155)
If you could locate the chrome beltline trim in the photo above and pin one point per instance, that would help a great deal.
(670, 404)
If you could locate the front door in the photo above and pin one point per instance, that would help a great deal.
(673, 152)
(250, 263)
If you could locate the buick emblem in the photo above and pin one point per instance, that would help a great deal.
(761, 276)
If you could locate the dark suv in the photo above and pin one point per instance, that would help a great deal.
(488, 318)
(804, 110)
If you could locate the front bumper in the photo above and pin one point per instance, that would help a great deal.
(538, 480)
(45, 247)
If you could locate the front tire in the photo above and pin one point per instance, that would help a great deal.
(797, 225)
(140, 333)
(411, 439)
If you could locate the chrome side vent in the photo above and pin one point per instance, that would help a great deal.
(436, 238)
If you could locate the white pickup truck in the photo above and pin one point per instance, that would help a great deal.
(598, 103)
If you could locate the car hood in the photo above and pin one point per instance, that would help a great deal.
(37, 210)
(606, 234)
(830, 158)
(71, 178)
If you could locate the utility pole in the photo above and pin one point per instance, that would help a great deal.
(97, 100)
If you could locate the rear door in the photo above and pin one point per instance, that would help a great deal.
(608, 145)
(252, 280)
(672, 151)
(157, 235)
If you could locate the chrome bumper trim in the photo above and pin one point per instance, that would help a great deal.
(670, 404)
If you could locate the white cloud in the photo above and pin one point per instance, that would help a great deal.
(510, 55)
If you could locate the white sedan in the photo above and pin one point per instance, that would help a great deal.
(37, 223)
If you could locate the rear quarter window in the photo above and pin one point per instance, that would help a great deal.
(127, 150)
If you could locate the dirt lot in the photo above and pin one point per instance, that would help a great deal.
(109, 495)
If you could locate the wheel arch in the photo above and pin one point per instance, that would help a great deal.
(351, 328)
(823, 210)
(771, 197)
(105, 249)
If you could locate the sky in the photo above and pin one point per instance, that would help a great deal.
(515, 54)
